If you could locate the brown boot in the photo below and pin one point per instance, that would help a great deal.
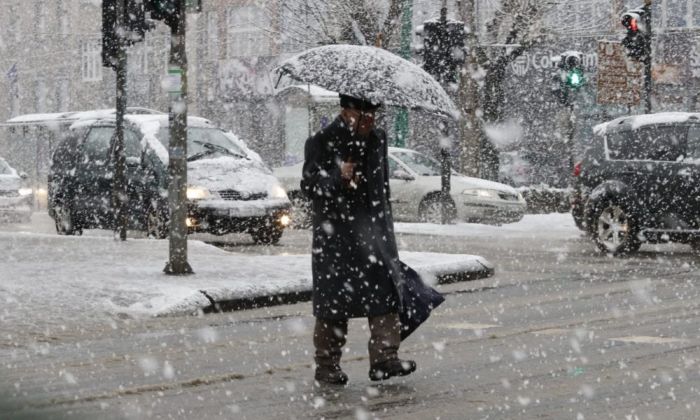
(329, 339)
(383, 348)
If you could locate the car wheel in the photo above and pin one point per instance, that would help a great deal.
(614, 231)
(267, 234)
(301, 211)
(156, 222)
(431, 210)
(66, 221)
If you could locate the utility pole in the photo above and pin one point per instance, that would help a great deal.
(470, 136)
(119, 192)
(445, 162)
(177, 164)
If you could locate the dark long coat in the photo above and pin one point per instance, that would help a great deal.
(355, 265)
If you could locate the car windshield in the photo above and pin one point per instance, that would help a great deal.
(202, 141)
(419, 163)
(4, 168)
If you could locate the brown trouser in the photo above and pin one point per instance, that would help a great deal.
(330, 336)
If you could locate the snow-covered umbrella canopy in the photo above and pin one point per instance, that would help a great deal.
(370, 73)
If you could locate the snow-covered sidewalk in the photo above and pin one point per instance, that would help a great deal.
(97, 275)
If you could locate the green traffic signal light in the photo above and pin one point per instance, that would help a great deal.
(575, 79)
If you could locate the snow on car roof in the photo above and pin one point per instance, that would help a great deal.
(57, 117)
(634, 122)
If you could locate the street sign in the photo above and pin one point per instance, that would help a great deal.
(619, 78)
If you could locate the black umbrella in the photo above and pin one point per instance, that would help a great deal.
(370, 73)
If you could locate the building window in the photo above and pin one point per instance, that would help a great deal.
(91, 60)
(679, 14)
(12, 18)
(246, 32)
(63, 23)
(41, 19)
(676, 13)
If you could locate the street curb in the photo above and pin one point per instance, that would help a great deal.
(231, 305)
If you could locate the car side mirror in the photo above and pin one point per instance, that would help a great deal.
(23, 175)
(403, 175)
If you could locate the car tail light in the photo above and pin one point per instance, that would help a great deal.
(577, 169)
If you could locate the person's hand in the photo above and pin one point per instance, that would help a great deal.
(347, 171)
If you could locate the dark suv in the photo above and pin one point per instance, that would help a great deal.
(229, 188)
(639, 181)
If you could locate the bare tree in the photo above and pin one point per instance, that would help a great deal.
(516, 27)
(308, 23)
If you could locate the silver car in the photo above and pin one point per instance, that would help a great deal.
(15, 201)
(415, 183)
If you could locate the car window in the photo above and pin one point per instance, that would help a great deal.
(393, 166)
(648, 143)
(132, 144)
(96, 146)
(694, 142)
(4, 168)
(419, 163)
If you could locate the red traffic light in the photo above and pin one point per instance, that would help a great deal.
(631, 21)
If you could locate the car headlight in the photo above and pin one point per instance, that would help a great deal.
(477, 192)
(25, 191)
(278, 192)
(197, 193)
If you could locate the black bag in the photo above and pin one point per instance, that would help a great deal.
(418, 300)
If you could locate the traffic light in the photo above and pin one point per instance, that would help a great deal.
(166, 10)
(443, 48)
(110, 41)
(570, 77)
(432, 48)
(134, 30)
(572, 70)
(169, 10)
(637, 41)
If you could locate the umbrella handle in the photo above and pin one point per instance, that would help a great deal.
(279, 79)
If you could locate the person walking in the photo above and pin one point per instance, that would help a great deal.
(355, 265)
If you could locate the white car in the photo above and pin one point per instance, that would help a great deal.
(415, 193)
(15, 201)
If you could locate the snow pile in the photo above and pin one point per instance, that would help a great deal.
(58, 277)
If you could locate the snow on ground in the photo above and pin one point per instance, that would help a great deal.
(560, 225)
(77, 276)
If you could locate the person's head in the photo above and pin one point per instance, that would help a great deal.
(358, 114)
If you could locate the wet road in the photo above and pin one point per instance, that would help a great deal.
(560, 332)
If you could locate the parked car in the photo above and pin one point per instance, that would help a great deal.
(15, 199)
(415, 184)
(229, 187)
(639, 181)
